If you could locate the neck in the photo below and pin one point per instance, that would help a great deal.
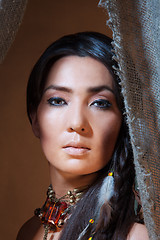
(62, 182)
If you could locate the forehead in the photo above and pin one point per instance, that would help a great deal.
(78, 72)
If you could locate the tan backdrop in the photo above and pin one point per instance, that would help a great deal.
(24, 171)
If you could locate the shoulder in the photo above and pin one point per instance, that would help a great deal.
(29, 229)
(138, 232)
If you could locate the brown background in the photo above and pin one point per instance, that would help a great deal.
(24, 171)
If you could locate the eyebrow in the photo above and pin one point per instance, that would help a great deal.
(100, 88)
(90, 90)
(58, 88)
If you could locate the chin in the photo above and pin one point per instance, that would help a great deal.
(80, 171)
(77, 171)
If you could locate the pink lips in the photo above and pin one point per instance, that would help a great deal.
(76, 149)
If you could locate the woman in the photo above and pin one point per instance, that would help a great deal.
(75, 107)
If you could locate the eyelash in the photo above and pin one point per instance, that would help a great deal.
(102, 104)
(56, 101)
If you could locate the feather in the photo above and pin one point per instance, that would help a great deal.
(106, 191)
(83, 232)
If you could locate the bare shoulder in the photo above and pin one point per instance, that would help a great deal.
(138, 232)
(29, 229)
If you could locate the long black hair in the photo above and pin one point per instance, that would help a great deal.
(116, 216)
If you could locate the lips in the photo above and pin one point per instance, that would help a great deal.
(76, 149)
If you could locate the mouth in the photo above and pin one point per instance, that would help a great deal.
(76, 149)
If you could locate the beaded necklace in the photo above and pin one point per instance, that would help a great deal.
(56, 211)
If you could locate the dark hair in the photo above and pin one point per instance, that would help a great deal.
(95, 45)
(117, 216)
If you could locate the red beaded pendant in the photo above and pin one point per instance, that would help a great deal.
(53, 212)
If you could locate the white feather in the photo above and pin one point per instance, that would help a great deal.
(105, 194)
(83, 232)
(107, 190)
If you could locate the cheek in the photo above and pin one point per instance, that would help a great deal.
(48, 137)
(108, 134)
(110, 125)
(47, 125)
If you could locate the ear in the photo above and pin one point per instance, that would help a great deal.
(35, 124)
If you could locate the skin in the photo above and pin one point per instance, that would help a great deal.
(77, 122)
(138, 232)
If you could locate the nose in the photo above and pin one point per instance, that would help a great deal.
(79, 121)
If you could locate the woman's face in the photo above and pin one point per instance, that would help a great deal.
(78, 120)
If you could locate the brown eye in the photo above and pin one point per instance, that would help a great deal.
(101, 104)
(56, 101)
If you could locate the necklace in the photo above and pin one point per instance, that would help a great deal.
(56, 211)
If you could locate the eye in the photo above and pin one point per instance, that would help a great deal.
(101, 103)
(56, 101)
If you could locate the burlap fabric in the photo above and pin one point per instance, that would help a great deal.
(11, 14)
(136, 35)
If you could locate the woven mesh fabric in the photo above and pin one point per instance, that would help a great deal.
(11, 14)
(136, 40)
